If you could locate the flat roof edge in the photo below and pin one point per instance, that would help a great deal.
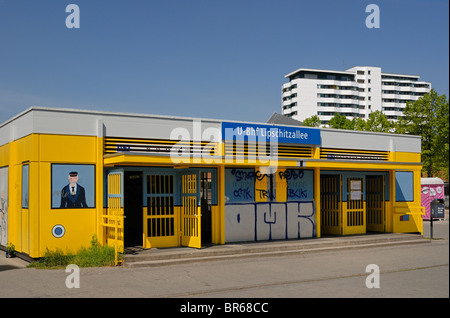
(214, 121)
(399, 74)
(23, 113)
(110, 113)
(370, 133)
(319, 71)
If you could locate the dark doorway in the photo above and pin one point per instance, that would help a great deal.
(206, 204)
(133, 192)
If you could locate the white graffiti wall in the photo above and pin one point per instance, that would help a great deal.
(252, 217)
(260, 221)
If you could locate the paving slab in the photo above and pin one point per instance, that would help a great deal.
(139, 257)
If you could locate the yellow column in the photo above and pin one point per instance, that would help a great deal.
(315, 152)
(99, 189)
(317, 198)
(417, 200)
(218, 217)
(261, 192)
(390, 204)
(281, 186)
(34, 198)
(14, 221)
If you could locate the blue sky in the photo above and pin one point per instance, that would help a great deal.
(204, 58)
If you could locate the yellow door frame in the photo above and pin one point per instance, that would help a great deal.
(190, 210)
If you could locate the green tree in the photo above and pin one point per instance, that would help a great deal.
(378, 122)
(442, 138)
(339, 121)
(428, 117)
(313, 121)
(359, 124)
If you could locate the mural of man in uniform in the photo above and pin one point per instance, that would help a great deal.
(73, 195)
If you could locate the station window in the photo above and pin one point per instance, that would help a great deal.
(25, 185)
(404, 186)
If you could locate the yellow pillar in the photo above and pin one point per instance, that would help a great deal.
(315, 152)
(218, 217)
(261, 192)
(417, 200)
(317, 198)
(281, 186)
(390, 204)
(14, 221)
(99, 190)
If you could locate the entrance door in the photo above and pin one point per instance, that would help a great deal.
(206, 197)
(354, 208)
(330, 204)
(190, 210)
(375, 203)
(160, 221)
(133, 208)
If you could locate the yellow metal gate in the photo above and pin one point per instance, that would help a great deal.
(354, 208)
(190, 211)
(112, 220)
(343, 217)
(159, 217)
(376, 217)
(330, 205)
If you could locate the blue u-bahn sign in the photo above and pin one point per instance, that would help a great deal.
(271, 133)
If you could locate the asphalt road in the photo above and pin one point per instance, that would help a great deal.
(411, 271)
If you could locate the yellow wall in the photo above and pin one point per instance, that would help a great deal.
(4, 155)
(30, 230)
(404, 157)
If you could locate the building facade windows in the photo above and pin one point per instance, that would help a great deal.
(313, 89)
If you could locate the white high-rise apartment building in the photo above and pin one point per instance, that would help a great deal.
(354, 93)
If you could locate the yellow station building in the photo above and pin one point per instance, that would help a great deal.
(162, 181)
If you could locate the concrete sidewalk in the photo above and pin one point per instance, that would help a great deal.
(138, 257)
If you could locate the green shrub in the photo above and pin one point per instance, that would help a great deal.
(93, 256)
(53, 259)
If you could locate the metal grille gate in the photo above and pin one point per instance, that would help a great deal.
(346, 215)
(330, 205)
(160, 221)
(190, 211)
(354, 210)
(375, 198)
(113, 219)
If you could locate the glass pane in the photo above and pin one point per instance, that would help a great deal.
(25, 187)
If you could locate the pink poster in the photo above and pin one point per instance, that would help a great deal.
(432, 188)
